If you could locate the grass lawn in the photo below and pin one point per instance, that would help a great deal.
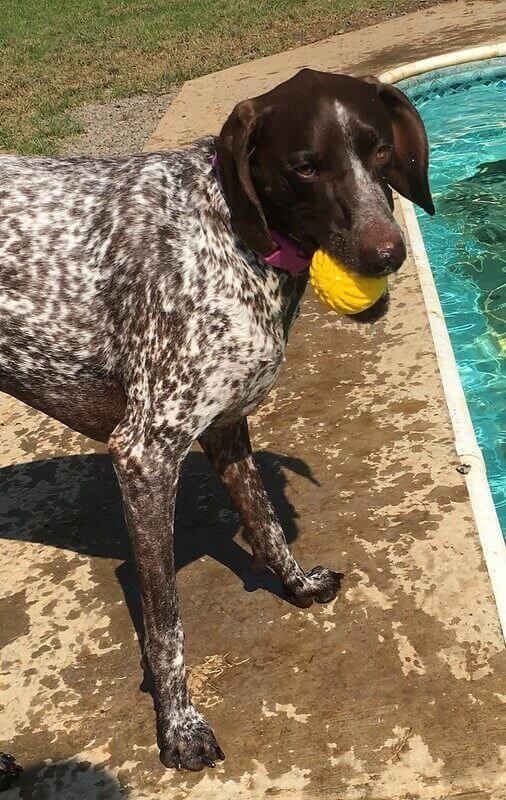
(56, 54)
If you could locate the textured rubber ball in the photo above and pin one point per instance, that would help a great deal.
(344, 291)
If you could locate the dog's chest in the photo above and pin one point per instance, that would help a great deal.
(251, 368)
(230, 352)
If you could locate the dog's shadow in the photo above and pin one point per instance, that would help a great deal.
(74, 503)
(87, 781)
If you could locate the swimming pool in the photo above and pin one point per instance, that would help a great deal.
(463, 111)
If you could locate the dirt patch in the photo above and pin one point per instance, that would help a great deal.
(118, 127)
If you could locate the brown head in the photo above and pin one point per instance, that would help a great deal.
(315, 159)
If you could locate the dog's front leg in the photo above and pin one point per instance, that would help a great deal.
(147, 466)
(229, 450)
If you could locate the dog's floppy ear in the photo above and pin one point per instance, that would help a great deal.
(407, 172)
(234, 145)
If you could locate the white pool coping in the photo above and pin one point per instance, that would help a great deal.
(466, 445)
(446, 60)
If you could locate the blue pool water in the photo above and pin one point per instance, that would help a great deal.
(464, 111)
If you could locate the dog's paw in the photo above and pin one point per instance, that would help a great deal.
(191, 745)
(9, 771)
(325, 584)
(320, 585)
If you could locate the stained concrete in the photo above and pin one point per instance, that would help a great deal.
(395, 690)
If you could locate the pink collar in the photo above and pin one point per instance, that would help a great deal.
(286, 257)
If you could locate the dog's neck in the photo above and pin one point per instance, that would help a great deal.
(287, 257)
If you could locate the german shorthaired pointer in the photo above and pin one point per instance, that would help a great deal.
(139, 307)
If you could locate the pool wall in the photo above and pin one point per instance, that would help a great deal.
(466, 445)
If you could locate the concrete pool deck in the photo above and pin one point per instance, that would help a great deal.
(395, 690)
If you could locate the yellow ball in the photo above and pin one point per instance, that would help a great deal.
(343, 290)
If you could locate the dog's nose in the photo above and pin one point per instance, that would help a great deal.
(381, 253)
(386, 251)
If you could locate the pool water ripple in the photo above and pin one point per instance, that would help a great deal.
(464, 111)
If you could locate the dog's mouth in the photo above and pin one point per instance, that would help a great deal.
(307, 247)
(360, 269)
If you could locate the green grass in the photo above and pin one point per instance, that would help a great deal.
(56, 54)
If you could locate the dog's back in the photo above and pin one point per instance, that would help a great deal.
(60, 221)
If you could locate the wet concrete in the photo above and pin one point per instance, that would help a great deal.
(394, 690)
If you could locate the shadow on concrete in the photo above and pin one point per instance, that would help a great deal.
(74, 503)
(68, 779)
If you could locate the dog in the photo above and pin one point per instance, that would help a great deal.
(141, 307)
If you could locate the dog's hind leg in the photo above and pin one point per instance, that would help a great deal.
(229, 450)
(147, 464)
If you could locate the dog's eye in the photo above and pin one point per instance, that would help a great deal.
(305, 170)
(383, 153)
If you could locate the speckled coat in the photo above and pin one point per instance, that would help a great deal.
(132, 313)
